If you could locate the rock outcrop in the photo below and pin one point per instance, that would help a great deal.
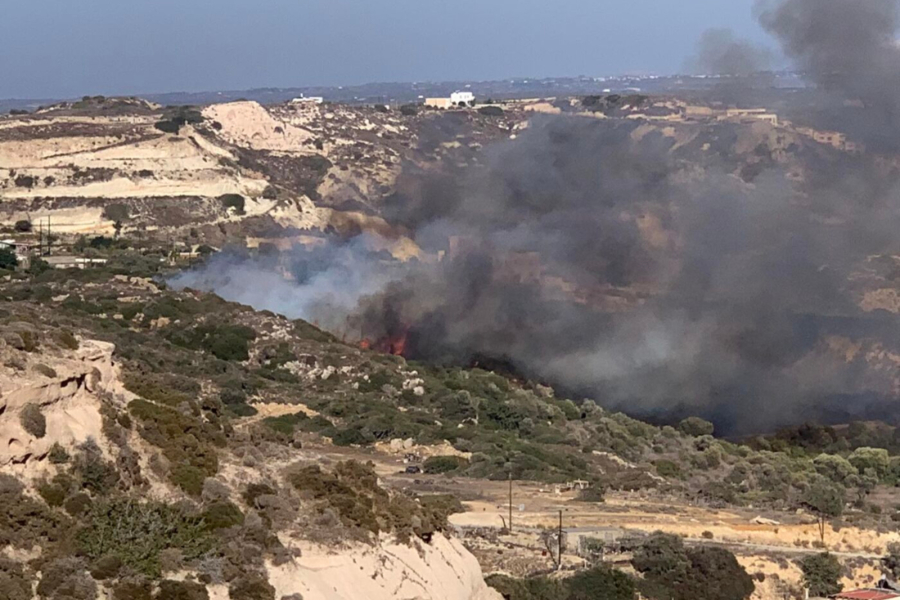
(441, 570)
(66, 391)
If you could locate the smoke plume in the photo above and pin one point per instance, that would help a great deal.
(598, 256)
(849, 48)
(719, 52)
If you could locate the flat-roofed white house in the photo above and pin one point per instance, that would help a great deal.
(456, 99)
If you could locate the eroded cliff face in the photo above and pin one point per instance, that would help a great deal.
(66, 389)
(441, 570)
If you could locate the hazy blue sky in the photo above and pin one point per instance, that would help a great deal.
(61, 48)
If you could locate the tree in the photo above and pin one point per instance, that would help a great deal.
(825, 499)
(822, 574)
(876, 460)
(601, 582)
(550, 538)
(116, 212)
(891, 562)
(8, 259)
(674, 572)
(235, 201)
(696, 427)
(834, 467)
(23, 226)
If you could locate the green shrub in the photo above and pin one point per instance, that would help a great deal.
(670, 570)
(822, 574)
(132, 589)
(14, 584)
(58, 454)
(696, 427)
(8, 260)
(444, 464)
(66, 579)
(189, 478)
(45, 370)
(77, 504)
(352, 492)
(668, 468)
(251, 587)
(221, 515)
(97, 475)
(491, 111)
(116, 212)
(168, 389)
(601, 582)
(186, 442)
(106, 567)
(137, 532)
(33, 420)
(595, 493)
(54, 492)
(235, 201)
(67, 339)
(874, 460)
(181, 590)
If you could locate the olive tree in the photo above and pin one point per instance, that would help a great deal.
(825, 499)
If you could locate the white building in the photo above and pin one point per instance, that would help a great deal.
(308, 100)
(456, 99)
(462, 99)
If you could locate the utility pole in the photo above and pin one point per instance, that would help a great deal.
(510, 500)
(559, 540)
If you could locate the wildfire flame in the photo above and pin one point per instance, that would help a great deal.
(390, 344)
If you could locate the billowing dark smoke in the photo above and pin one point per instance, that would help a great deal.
(848, 47)
(586, 255)
(720, 52)
(599, 257)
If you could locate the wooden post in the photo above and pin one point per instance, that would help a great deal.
(510, 501)
(559, 540)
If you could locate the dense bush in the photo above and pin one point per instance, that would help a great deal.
(188, 443)
(14, 584)
(97, 475)
(165, 388)
(673, 572)
(491, 111)
(224, 341)
(222, 514)
(603, 583)
(8, 259)
(822, 574)
(251, 587)
(33, 420)
(181, 590)
(352, 492)
(137, 532)
(132, 589)
(444, 464)
(177, 118)
(235, 201)
(66, 579)
(696, 427)
(593, 584)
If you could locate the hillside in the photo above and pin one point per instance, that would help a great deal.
(169, 170)
(246, 434)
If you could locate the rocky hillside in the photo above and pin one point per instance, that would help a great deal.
(224, 172)
(124, 477)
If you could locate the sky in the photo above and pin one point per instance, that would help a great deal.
(71, 48)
